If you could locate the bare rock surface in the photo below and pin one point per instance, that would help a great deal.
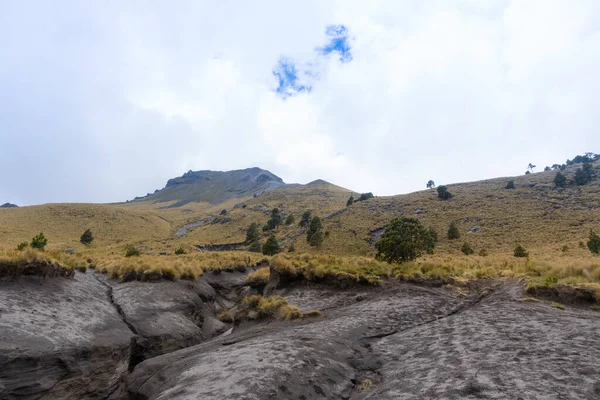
(61, 339)
(396, 342)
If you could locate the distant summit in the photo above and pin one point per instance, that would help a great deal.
(8, 205)
(215, 187)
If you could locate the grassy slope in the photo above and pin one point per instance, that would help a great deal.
(534, 214)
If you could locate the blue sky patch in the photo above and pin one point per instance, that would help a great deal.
(288, 74)
(338, 35)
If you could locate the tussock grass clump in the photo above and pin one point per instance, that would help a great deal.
(226, 316)
(275, 307)
(259, 277)
(558, 306)
(32, 262)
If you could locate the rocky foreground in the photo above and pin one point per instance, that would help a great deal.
(93, 338)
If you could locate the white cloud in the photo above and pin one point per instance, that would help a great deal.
(116, 98)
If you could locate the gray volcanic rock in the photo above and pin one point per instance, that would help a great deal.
(166, 315)
(61, 339)
(400, 342)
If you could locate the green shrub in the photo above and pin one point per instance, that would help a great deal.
(467, 249)
(365, 196)
(453, 232)
(404, 240)
(584, 175)
(252, 234)
(350, 201)
(510, 185)
(255, 247)
(520, 252)
(565, 248)
(22, 246)
(223, 212)
(271, 246)
(39, 242)
(430, 184)
(305, 220)
(131, 251)
(180, 251)
(560, 180)
(314, 234)
(594, 242)
(290, 219)
(274, 221)
(443, 193)
(581, 245)
(87, 238)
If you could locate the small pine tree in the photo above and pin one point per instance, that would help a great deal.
(223, 212)
(252, 234)
(315, 226)
(467, 249)
(510, 185)
(430, 184)
(274, 221)
(404, 240)
(365, 196)
(180, 251)
(87, 238)
(305, 220)
(22, 246)
(290, 219)
(560, 180)
(255, 247)
(584, 175)
(350, 201)
(316, 239)
(271, 246)
(443, 193)
(594, 242)
(520, 252)
(39, 242)
(453, 232)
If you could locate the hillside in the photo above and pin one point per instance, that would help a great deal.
(215, 187)
(489, 216)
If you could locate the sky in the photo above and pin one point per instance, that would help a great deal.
(102, 101)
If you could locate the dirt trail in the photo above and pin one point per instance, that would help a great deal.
(396, 342)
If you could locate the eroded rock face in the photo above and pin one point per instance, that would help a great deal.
(403, 342)
(61, 339)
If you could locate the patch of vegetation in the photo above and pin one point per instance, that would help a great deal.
(430, 184)
(520, 251)
(274, 221)
(180, 251)
(483, 253)
(314, 234)
(305, 219)
(560, 180)
(365, 385)
(443, 193)
(558, 306)
(255, 247)
(510, 184)
(594, 242)
(467, 249)
(564, 249)
(584, 175)
(365, 196)
(39, 242)
(404, 240)
(290, 220)
(259, 277)
(22, 246)
(87, 238)
(223, 212)
(350, 200)
(226, 316)
(252, 234)
(312, 314)
(453, 232)
(131, 251)
(271, 246)
(273, 307)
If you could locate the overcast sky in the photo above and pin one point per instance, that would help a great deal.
(103, 101)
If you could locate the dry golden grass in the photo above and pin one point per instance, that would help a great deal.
(276, 307)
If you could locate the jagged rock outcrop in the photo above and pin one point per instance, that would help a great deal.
(61, 339)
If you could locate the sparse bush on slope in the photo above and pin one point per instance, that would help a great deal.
(594, 242)
(87, 238)
(271, 246)
(403, 240)
(443, 193)
(453, 232)
(39, 242)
